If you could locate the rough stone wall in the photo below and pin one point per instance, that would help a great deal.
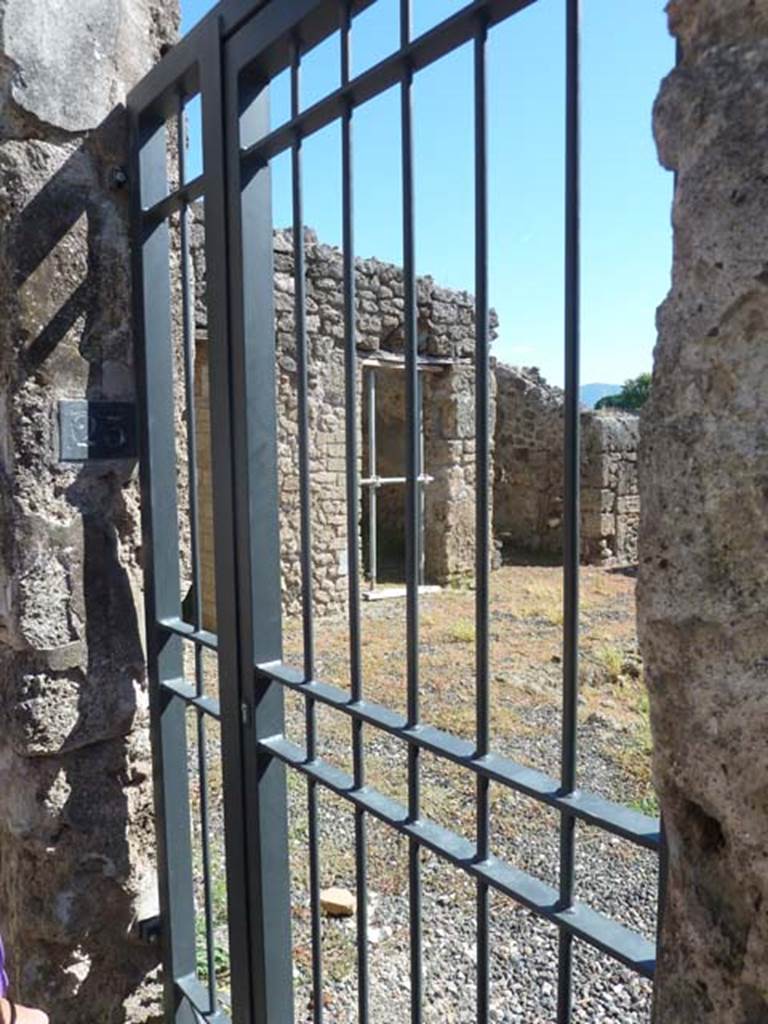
(610, 498)
(446, 329)
(326, 424)
(76, 832)
(450, 451)
(528, 486)
(527, 436)
(703, 590)
(446, 323)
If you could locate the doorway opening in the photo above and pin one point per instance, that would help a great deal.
(384, 480)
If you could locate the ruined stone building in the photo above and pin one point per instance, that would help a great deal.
(528, 484)
(446, 323)
(526, 411)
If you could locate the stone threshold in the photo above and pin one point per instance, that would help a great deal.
(385, 593)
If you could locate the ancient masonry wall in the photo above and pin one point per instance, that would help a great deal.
(446, 324)
(610, 497)
(528, 470)
(76, 828)
(528, 485)
(703, 582)
(527, 495)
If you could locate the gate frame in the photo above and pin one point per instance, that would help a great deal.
(253, 853)
(229, 59)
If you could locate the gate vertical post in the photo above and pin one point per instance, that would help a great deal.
(226, 479)
(162, 590)
(256, 565)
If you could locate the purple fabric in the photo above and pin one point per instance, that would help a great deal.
(3, 975)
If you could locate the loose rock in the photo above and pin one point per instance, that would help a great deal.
(337, 902)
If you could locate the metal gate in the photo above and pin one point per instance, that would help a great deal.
(229, 60)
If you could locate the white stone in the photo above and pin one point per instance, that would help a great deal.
(337, 902)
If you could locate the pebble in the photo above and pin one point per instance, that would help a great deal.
(337, 902)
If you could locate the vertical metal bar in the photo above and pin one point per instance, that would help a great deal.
(256, 631)
(300, 314)
(152, 298)
(353, 512)
(187, 311)
(227, 553)
(373, 494)
(482, 505)
(412, 508)
(571, 493)
(422, 482)
(187, 302)
(302, 361)
(202, 753)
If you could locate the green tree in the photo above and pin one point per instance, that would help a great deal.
(633, 395)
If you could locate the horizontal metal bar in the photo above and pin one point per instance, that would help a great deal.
(416, 56)
(594, 810)
(609, 936)
(264, 42)
(156, 94)
(379, 481)
(197, 995)
(175, 200)
(187, 691)
(186, 630)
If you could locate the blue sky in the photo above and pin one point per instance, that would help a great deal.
(626, 196)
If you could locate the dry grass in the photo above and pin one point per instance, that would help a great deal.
(526, 672)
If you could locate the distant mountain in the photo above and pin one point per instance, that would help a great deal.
(590, 394)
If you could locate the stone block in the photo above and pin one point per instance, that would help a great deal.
(76, 847)
(702, 597)
(98, 47)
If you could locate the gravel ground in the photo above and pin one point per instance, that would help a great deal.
(612, 875)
